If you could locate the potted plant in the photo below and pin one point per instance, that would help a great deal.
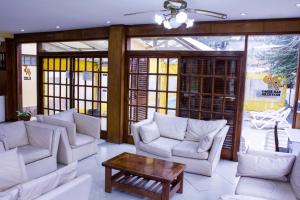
(24, 115)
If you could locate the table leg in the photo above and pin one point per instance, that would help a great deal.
(180, 180)
(108, 186)
(166, 191)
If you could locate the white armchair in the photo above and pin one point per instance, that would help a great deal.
(268, 175)
(36, 143)
(79, 135)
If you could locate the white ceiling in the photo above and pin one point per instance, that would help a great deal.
(45, 15)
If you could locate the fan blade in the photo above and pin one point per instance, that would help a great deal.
(208, 13)
(144, 12)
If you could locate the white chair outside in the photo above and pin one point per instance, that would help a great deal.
(265, 114)
(269, 122)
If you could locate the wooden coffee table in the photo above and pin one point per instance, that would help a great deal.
(150, 177)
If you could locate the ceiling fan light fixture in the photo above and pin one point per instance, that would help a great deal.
(167, 24)
(190, 23)
(158, 19)
(181, 17)
(174, 23)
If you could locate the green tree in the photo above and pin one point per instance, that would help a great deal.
(282, 56)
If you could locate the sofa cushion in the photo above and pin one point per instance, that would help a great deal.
(295, 177)
(65, 115)
(87, 124)
(171, 127)
(71, 127)
(269, 189)
(32, 153)
(275, 167)
(161, 147)
(15, 134)
(37, 187)
(149, 132)
(40, 118)
(198, 129)
(207, 141)
(67, 173)
(239, 197)
(10, 194)
(12, 170)
(189, 149)
(82, 139)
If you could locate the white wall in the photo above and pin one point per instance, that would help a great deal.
(2, 108)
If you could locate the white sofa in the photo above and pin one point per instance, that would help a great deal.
(59, 185)
(79, 134)
(267, 175)
(175, 143)
(37, 144)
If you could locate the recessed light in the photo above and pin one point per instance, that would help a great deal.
(243, 14)
(108, 22)
(57, 27)
(298, 5)
(22, 30)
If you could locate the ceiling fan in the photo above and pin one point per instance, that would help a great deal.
(177, 14)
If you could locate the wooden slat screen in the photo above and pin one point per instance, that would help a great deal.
(152, 87)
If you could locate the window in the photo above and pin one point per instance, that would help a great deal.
(152, 87)
(75, 46)
(76, 82)
(188, 43)
(271, 74)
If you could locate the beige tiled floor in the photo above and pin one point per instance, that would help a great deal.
(196, 187)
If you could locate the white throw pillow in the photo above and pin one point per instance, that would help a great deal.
(295, 177)
(273, 167)
(149, 132)
(70, 127)
(65, 115)
(170, 126)
(206, 141)
(12, 170)
(198, 129)
(15, 134)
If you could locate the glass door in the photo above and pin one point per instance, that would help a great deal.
(75, 81)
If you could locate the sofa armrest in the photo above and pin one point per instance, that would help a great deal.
(2, 147)
(216, 149)
(77, 189)
(135, 129)
(88, 125)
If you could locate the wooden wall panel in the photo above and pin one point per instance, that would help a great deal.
(80, 34)
(221, 28)
(3, 82)
(12, 80)
(116, 83)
